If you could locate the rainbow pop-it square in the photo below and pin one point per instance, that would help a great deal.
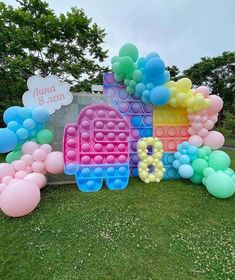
(97, 148)
(170, 171)
(138, 114)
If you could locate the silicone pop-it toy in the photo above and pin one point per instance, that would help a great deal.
(137, 113)
(96, 147)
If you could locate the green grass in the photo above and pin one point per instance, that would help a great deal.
(230, 142)
(171, 230)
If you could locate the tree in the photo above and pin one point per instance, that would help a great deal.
(34, 40)
(174, 72)
(218, 73)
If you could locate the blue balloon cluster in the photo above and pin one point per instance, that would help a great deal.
(185, 154)
(23, 123)
(144, 78)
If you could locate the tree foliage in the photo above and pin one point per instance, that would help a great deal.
(174, 72)
(218, 73)
(34, 40)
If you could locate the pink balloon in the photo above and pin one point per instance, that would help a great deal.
(54, 163)
(197, 126)
(214, 118)
(208, 124)
(28, 169)
(197, 119)
(28, 159)
(191, 131)
(19, 165)
(204, 119)
(214, 139)
(202, 113)
(37, 166)
(6, 169)
(14, 180)
(204, 91)
(39, 179)
(39, 155)
(19, 198)
(195, 140)
(7, 179)
(203, 132)
(190, 117)
(29, 147)
(217, 104)
(21, 174)
(47, 148)
(2, 187)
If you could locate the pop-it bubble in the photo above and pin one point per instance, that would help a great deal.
(97, 148)
(138, 114)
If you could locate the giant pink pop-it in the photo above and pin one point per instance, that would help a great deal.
(138, 114)
(97, 147)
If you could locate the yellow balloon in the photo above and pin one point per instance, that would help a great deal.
(142, 145)
(184, 84)
(181, 97)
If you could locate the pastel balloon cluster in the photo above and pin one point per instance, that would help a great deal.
(143, 77)
(21, 180)
(201, 124)
(24, 123)
(184, 156)
(182, 95)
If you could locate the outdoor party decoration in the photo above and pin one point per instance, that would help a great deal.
(145, 172)
(96, 147)
(23, 123)
(49, 92)
(138, 114)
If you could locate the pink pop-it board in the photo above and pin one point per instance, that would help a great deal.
(99, 138)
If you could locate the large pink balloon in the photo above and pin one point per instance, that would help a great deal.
(6, 180)
(29, 147)
(203, 90)
(21, 174)
(54, 163)
(214, 139)
(20, 198)
(195, 140)
(19, 165)
(39, 179)
(216, 106)
(2, 187)
(6, 169)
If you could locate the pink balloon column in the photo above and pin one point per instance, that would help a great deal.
(21, 181)
(202, 122)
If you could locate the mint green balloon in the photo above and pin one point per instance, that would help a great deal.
(44, 136)
(197, 178)
(116, 67)
(126, 65)
(129, 50)
(12, 156)
(199, 165)
(201, 153)
(207, 150)
(221, 154)
(137, 75)
(219, 160)
(220, 185)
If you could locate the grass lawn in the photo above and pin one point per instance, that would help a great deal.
(230, 141)
(171, 230)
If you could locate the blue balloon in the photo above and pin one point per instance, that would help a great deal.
(141, 62)
(177, 155)
(154, 67)
(13, 125)
(186, 171)
(192, 150)
(25, 112)
(8, 140)
(159, 95)
(184, 159)
(176, 164)
(40, 115)
(149, 86)
(139, 89)
(29, 124)
(185, 144)
(11, 114)
(22, 133)
(152, 55)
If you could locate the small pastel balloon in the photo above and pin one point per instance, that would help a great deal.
(54, 163)
(2, 187)
(29, 147)
(214, 139)
(37, 166)
(195, 140)
(7, 179)
(186, 171)
(28, 159)
(203, 90)
(203, 132)
(29, 124)
(129, 50)
(199, 165)
(22, 133)
(19, 165)
(209, 124)
(196, 178)
(217, 104)
(159, 95)
(20, 174)
(39, 155)
(6, 169)
(40, 115)
(47, 148)
(191, 131)
(44, 136)
(11, 114)
(19, 198)
(37, 178)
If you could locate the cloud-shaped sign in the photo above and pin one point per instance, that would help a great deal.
(48, 92)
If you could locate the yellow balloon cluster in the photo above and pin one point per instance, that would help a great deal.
(182, 95)
(153, 160)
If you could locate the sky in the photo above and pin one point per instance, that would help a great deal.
(181, 31)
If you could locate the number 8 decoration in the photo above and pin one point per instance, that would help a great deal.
(150, 159)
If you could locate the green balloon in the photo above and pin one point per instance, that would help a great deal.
(129, 50)
(132, 83)
(199, 165)
(222, 154)
(44, 136)
(197, 178)
(220, 185)
(126, 65)
(219, 161)
(201, 153)
(114, 59)
(12, 156)
(137, 75)
(207, 171)
(207, 150)
(130, 90)
(126, 82)
(116, 67)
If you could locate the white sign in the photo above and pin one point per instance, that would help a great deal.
(48, 92)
